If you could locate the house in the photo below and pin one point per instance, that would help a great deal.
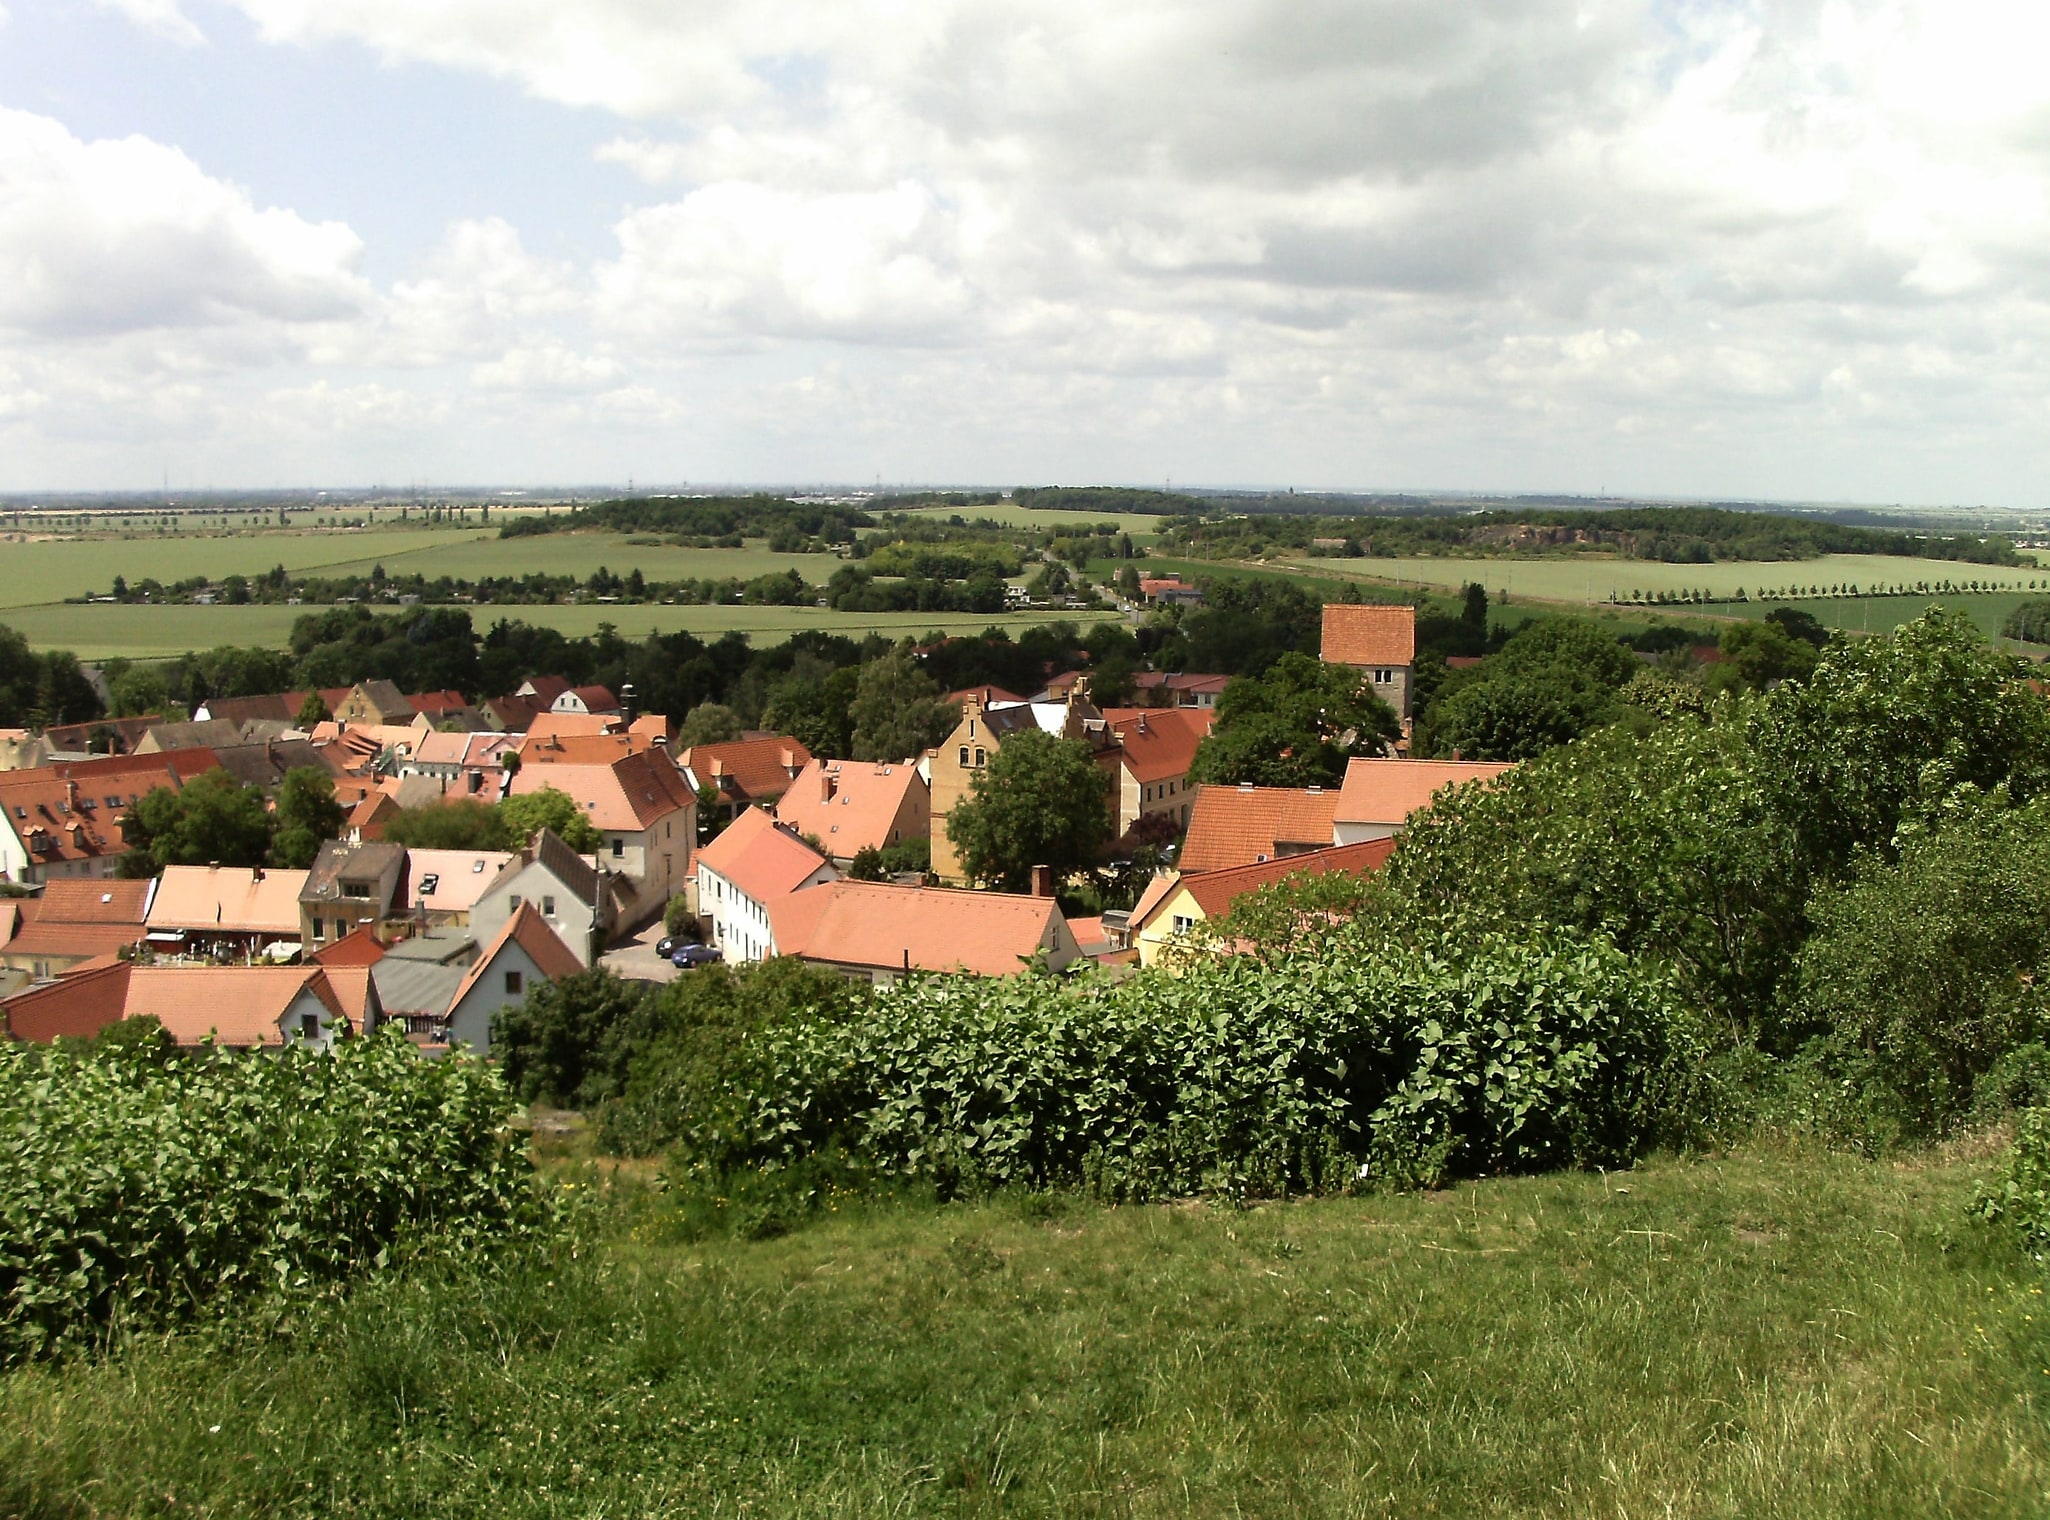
(580, 902)
(359, 947)
(65, 819)
(1380, 795)
(851, 805)
(74, 921)
(265, 765)
(224, 910)
(981, 732)
(988, 696)
(874, 931)
(263, 1007)
(417, 978)
(450, 708)
(524, 954)
(21, 750)
(1155, 750)
(1171, 907)
(643, 809)
(469, 764)
(1243, 825)
(1379, 642)
(541, 691)
(1169, 591)
(510, 715)
(743, 772)
(747, 870)
(276, 706)
(96, 736)
(1157, 689)
(574, 725)
(379, 702)
(350, 886)
(443, 886)
(207, 733)
(585, 700)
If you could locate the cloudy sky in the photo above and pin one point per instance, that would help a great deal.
(1785, 248)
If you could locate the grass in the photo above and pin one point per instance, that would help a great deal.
(1768, 1333)
(145, 633)
(1009, 513)
(1876, 614)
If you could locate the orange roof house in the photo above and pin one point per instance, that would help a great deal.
(65, 819)
(1380, 795)
(883, 931)
(1380, 642)
(553, 724)
(263, 1006)
(745, 771)
(644, 809)
(75, 921)
(850, 805)
(1173, 905)
(1156, 749)
(1242, 825)
(249, 907)
(744, 873)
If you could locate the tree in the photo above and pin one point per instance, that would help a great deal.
(307, 815)
(1040, 801)
(898, 710)
(708, 723)
(813, 710)
(553, 809)
(313, 711)
(1758, 655)
(1554, 681)
(212, 819)
(546, 1043)
(461, 823)
(867, 865)
(1297, 725)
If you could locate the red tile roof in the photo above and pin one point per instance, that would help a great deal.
(1159, 744)
(746, 770)
(111, 901)
(986, 695)
(625, 794)
(359, 947)
(527, 928)
(74, 808)
(1216, 891)
(848, 805)
(235, 1005)
(761, 857)
(567, 725)
(1239, 825)
(876, 924)
(1369, 635)
(1388, 791)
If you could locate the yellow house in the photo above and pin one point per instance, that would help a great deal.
(980, 733)
(1171, 907)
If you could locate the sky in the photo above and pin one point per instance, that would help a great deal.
(1780, 249)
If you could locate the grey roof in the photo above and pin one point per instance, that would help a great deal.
(265, 764)
(413, 986)
(390, 702)
(370, 858)
(445, 947)
(209, 733)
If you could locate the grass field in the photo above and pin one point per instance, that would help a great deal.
(1011, 514)
(148, 633)
(1876, 614)
(1773, 1333)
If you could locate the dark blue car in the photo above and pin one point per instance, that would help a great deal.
(687, 956)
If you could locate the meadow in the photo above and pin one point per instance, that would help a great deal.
(1875, 614)
(1777, 1331)
(95, 632)
(1139, 524)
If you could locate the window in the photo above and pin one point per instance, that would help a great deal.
(512, 984)
(309, 1026)
(618, 847)
(1183, 923)
(548, 907)
(979, 758)
(429, 884)
(513, 901)
(964, 761)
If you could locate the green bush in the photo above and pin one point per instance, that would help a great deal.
(2019, 1202)
(1364, 1064)
(137, 1186)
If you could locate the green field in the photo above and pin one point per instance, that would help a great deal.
(579, 554)
(1009, 513)
(147, 633)
(1600, 578)
(48, 570)
(1876, 614)
(1770, 1333)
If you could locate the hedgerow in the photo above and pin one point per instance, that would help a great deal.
(138, 1185)
(1362, 1064)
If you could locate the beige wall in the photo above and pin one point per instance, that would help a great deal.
(1158, 940)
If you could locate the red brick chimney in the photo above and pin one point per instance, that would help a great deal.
(1042, 881)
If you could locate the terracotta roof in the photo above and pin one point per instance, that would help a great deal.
(746, 770)
(369, 816)
(355, 989)
(1215, 891)
(627, 794)
(451, 881)
(1369, 635)
(551, 957)
(78, 804)
(761, 857)
(1159, 745)
(71, 941)
(242, 709)
(1388, 791)
(232, 899)
(872, 923)
(542, 689)
(540, 748)
(74, 1006)
(111, 901)
(474, 749)
(359, 947)
(565, 725)
(435, 703)
(513, 714)
(848, 805)
(236, 1005)
(596, 699)
(1150, 680)
(1157, 891)
(1240, 825)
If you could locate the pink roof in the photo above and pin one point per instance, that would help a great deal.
(544, 947)
(458, 877)
(760, 857)
(233, 899)
(872, 923)
(848, 805)
(1388, 791)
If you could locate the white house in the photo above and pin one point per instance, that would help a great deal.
(743, 877)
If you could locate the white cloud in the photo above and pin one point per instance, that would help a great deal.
(163, 17)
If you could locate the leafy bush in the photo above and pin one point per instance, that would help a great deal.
(568, 1042)
(1403, 1065)
(2019, 1202)
(137, 1185)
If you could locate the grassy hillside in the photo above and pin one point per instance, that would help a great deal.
(1769, 1333)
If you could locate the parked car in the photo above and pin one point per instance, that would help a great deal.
(666, 946)
(688, 956)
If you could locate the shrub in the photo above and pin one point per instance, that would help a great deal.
(677, 918)
(1404, 1065)
(2019, 1202)
(139, 1185)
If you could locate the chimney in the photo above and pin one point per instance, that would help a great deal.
(256, 874)
(70, 794)
(1142, 724)
(829, 784)
(1245, 786)
(1042, 881)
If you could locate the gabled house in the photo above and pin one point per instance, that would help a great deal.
(851, 805)
(94, 737)
(21, 750)
(1379, 642)
(1173, 905)
(745, 873)
(524, 954)
(204, 733)
(417, 978)
(66, 819)
(72, 922)
(1244, 825)
(981, 733)
(873, 931)
(743, 773)
(260, 1007)
(578, 901)
(349, 887)
(643, 809)
(443, 886)
(468, 764)
(585, 700)
(1380, 796)
(1157, 689)
(224, 911)
(541, 690)
(378, 702)
(1156, 747)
